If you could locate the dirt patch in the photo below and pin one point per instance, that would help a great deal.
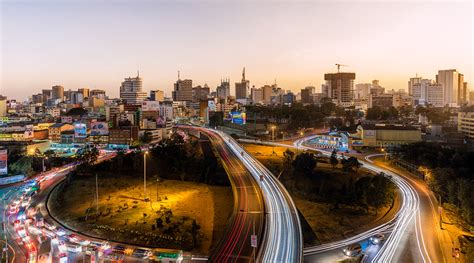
(180, 215)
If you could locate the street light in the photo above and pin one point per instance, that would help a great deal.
(385, 156)
(144, 175)
(273, 138)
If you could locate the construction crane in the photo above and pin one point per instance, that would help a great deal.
(339, 66)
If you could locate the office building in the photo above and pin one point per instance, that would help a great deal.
(426, 92)
(46, 95)
(452, 84)
(157, 95)
(412, 82)
(84, 92)
(362, 90)
(57, 93)
(200, 93)
(340, 88)
(131, 90)
(307, 95)
(183, 90)
(466, 123)
(376, 89)
(223, 90)
(3, 107)
(382, 136)
(241, 88)
(97, 93)
(267, 94)
(37, 98)
(256, 95)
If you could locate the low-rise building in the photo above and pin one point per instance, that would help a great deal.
(384, 135)
(466, 123)
(55, 130)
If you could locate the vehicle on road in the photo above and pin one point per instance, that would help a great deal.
(62, 257)
(13, 210)
(353, 250)
(377, 239)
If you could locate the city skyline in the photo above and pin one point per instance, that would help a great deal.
(290, 43)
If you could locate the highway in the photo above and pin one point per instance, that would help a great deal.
(282, 240)
(412, 235)
(248, 215)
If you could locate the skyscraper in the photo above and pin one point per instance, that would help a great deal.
(256, 95)
(157, 95)
(223, 90)
(426, 92)
(451, 82)
(241, 88)
(183, 90)
(412, 82)
(57, 93)
(131, 90)
(85, 92)
(267, 94)
(340, 88)
(46, 95)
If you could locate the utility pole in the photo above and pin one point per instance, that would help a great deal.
(96, 194)
(273, 139)
(144, 175)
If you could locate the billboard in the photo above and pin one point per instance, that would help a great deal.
(238, 117)
(211, 105)
(80, 130)
(151, 106)
(29, 133)
(99, 128)
(3, 162)
(161, 122)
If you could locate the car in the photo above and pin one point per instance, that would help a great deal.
(62, 247)
(49, 226)
(73, 238)
(21, 231)
(377, 239)
(62, 257)
(353, 250)
(74, 248)
(140, 253)
(16, 202)
(13, 210)
(25, 202)
(16, 224)
(60, 232)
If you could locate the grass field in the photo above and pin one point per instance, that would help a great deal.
(183, 215)
(328, 224)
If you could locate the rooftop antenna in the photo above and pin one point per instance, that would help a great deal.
(138, 73)
(243, 75)
(178, 75)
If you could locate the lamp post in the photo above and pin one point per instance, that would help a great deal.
(273, 138)
(298, 145)
(385, 152)
(44, 168)
(144, 175)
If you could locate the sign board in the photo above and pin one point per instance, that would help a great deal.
(151, 106)
(3, 162)
(161, 122)
(253, 240)
(29, 133)
(211, 105)
(99, 128)
(238, 117)
(80, 130)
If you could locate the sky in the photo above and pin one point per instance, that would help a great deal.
(96, 43)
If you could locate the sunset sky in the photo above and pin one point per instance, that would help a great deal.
(97, 43)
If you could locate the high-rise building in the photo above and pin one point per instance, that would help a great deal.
(362, 90)
(426, 92)
(3, 107)
(98, 93)
(46, 95)
(341, 88)
(465, 121)
(37, 98)
(241, 88)
(223, 90)
(77, 97)
(256, 95)
(84, 91)
(267, 94)
(200, 93)
(157, 95)
(307, 94)
(57, 93)
(376, 89)
(412, 82)
(183, 90)
(131, 90)
(452, 85)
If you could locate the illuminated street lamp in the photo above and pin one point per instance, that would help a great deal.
(144, 175)
(385, 156)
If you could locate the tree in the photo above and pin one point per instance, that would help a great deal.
(350, 163)
(374, 113)
(304, 164)
(22, 166)
(381, 192)
(333, 159)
